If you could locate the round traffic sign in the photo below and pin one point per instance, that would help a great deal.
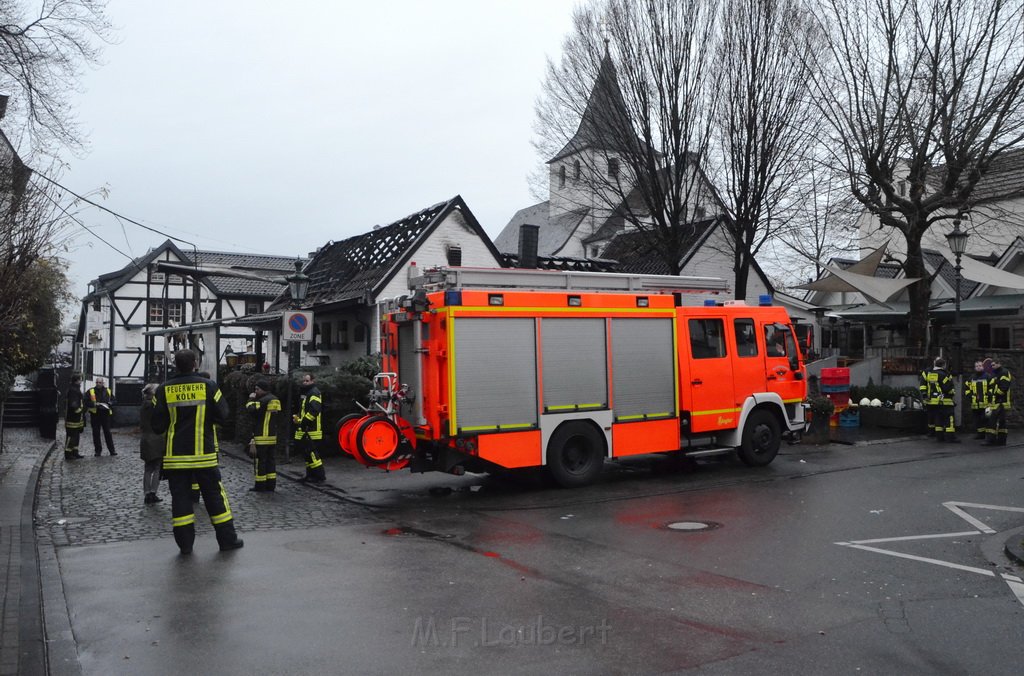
(298, 323)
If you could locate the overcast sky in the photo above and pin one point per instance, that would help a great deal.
(275, 127)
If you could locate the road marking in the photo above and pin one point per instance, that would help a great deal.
(937, 562)
(955, 508)
(1014, 582)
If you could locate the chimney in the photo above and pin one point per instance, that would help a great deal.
(528, 237)
(3, 105)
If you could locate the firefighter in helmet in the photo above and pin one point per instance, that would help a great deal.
(1000, 401)
(977, 392)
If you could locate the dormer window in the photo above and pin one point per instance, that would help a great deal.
(576, 170)
(561, 176)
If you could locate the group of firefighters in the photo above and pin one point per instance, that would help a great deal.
(187, 410)
(987, 393)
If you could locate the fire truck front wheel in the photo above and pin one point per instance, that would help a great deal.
(575, 454)
(761, 439)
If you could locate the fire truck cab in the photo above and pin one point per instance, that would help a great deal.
(486, 369)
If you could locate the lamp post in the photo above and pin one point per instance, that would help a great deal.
(957, 240)
(298, 285)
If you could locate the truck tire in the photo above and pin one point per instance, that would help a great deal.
(575, 454)
(761, 439)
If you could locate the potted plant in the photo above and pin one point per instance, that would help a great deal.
(820, 410)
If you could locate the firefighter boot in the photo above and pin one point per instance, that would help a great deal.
(227, 538)
(185, 536)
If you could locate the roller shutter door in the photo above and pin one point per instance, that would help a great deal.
(575, 364)
(643, 368)
(495, 373)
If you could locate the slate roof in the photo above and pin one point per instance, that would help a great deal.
(553, 233)
(883, 271)
(1004, 178)
(936, 261)
(635, 253)
(359, 267)
(605, 112)
(222, 286)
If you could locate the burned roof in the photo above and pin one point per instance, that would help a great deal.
(357, 268)
(564, 263)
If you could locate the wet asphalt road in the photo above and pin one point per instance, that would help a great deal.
(435, 574)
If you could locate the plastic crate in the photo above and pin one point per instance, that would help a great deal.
(849, 419)
(835, 376)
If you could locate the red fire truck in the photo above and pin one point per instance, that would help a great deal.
(486, 369)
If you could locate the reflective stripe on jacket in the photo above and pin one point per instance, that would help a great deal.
(309, 415)
(977, 390)
(1000, 385)
(265, 410)
(188, 408)
(936, 387)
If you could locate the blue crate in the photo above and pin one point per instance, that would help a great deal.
(835, 388)
(849, 419)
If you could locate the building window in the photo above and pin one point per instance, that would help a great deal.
(613, 167)
(454, 255)
(175, 313)
(699, 213)
(902, 185)
(997, 337)
(156, 277)
(343, 334)
(253, 307)
(594, 251)
(561, 176)
(357, 334)
(576, 170)
(174, 279)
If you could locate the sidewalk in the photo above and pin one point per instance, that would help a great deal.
(22, 645)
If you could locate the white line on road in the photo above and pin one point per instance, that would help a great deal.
(983, 527)
(937, 562)
(911, 537)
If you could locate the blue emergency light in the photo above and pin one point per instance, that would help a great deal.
(453, 297)
(764, 299)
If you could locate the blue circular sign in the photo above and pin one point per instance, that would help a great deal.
(298, 323)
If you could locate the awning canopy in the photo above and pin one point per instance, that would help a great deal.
(981, 306)
(860, 278)
(976, 271)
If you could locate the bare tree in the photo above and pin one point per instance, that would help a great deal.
(924, 94)
(43, 46)
(764, 123)
(628, 152)
(823, 225)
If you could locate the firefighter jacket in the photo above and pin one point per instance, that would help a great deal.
(936, 387)
(999, 387)
(977, 391)
(188, 408)
(265, 410)
(99, 401)
(308, 417)
(74, 416)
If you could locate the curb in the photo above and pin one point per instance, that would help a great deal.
(1014, 546)
(61, 649)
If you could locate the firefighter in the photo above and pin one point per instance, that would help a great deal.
(977, 392)
(99, 401)
(937, 390)
(1000, 401)
(264, 407)
(74, 419)
(308, 431)
(191, 451)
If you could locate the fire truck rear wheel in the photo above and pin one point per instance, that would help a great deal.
(575, 454)
(761, 439)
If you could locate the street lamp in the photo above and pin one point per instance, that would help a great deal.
(957, 240)
(298, 285)
(958, 245)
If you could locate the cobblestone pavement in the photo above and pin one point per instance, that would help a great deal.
(99, 500)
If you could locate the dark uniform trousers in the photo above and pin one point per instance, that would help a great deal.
(179, 481)
(265, 466)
